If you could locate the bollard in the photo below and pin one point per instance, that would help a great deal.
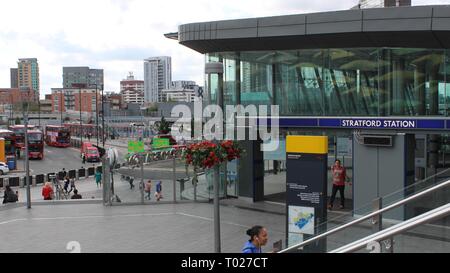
(40, 179)
(72, 173)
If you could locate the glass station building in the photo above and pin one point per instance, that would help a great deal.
(343, 74)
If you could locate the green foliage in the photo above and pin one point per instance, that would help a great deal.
(17, 122)
(153, 108)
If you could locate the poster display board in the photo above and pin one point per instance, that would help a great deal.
(306, 189)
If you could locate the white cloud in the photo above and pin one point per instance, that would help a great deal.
(116, 35)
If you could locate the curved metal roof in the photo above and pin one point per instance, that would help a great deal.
(413, 27)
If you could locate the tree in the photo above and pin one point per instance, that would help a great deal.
(153, 108)
(17, 121)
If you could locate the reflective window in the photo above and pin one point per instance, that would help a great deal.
(338, 82)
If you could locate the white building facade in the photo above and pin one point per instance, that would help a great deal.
(157, 76)
(179, 95)
(132, 96)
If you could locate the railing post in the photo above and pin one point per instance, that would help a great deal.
(377, 225)
(377, 220)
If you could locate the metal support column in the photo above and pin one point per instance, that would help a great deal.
(27, 163)
(142, 177)
(174, 180)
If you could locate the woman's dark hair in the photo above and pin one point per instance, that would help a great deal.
(337, 160)
(8, 188)
(254, 231)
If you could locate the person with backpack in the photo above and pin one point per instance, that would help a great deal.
(9, 196)
(158, 193)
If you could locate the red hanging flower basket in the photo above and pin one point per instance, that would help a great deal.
(206, 154)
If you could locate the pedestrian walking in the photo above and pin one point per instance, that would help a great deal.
(148, 189)
(131, 181)
(158, 193)
(47, 191)
(258, 238)
(72, 185)
(66, 184)
(339, 175)
(98, 178)
(63, 174)
(9, 196)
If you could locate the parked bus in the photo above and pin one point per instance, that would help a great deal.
(84, 129)
(57, 136)
(35, 144)
(19, 135)
(8, 135)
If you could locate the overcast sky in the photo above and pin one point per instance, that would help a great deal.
(117, 35)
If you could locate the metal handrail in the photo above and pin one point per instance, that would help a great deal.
(368, 216)
(424, 218)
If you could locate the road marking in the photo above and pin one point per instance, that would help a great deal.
(11, 221)
(119, 216)
(91, 216)
(210, 219)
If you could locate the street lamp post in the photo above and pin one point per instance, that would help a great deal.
(79, 86)
(27, 165)
(39, 111)
(216, 68)
(96, 109)
(103, 120)
(81, 123)
(60, 106)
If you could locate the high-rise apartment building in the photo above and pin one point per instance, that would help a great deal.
(28, 74)
(132, 90)
(157, 76)
(82, 75)
(131, 84)
(14, 78)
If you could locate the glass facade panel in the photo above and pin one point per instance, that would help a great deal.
(338, 82)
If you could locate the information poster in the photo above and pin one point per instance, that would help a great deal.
(306, 190)
(301, 220)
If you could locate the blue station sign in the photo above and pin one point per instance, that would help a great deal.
(362, 123)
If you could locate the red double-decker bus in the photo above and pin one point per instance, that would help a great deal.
(19, 135)
(8, 135)
(35, 144)
(57, 136)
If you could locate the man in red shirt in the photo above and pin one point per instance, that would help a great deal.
(339, 175)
